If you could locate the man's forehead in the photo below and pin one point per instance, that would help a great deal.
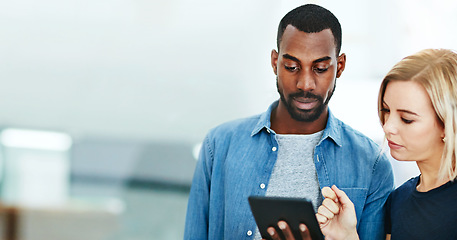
(300, 44)
(290, 29)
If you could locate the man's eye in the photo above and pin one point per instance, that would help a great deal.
(320, 70)
(291, 68)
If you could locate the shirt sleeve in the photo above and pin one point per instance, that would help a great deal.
(196, 226)
(371, 225)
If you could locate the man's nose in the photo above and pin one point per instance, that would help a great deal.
(306, 81)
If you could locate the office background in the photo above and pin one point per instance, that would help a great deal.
(125, 91)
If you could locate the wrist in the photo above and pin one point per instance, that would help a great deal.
(352, 236)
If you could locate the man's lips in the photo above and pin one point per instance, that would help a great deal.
(305, 103)
(393, 145)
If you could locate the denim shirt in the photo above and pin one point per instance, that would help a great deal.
(237, 159)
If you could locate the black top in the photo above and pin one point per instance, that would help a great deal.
(422, 215)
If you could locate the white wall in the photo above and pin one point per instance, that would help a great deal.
(170, 70)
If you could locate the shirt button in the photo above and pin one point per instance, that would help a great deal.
(249, 233)
(273, 149)
(262, 186)
(268, 130)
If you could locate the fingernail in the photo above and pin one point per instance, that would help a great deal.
(282, 225)
(270, 231)
(302, 227)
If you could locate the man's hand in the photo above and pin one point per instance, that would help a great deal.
(285, 229)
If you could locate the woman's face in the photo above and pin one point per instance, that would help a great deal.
(411, 126)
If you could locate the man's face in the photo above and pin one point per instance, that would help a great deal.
(306, 68)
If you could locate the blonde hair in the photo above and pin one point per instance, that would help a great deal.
(436, 71)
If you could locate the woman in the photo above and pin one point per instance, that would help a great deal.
(418, 111)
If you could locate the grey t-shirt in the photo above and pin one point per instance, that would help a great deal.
(294, 173)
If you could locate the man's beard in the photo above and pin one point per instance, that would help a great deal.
(305, 115)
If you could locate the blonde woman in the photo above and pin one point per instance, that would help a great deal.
(418, 111)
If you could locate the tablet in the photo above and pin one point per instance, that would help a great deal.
(268, 211)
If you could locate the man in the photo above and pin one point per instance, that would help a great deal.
(293, 149)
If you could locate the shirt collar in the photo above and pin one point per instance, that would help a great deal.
(264, 120)
(330, 131)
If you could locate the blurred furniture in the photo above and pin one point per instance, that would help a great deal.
(75, 221)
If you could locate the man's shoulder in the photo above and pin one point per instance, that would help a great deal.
(236, 125)
(348, 133)
(358, 143)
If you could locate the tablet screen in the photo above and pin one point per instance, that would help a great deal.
(268, 211)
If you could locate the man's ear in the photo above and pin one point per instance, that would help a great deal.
(341, 64)
(274, 61)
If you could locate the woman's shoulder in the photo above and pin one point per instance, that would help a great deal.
(407, 187)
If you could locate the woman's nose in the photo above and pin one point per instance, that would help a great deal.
(389, 126)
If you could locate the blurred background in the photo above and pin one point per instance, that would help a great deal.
(104, 103)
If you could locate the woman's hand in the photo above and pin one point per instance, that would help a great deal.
(336, 215)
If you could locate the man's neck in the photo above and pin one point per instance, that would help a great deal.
(283, 123)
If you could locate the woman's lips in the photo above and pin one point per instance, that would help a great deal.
(393, 145)
(305, 103)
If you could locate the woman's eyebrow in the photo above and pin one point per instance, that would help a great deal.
(384, 104)
(407, 111)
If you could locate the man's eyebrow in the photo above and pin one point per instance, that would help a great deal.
(322, 59)
(290, 57)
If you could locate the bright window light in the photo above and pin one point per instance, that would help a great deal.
(196, 150)
(33, 139)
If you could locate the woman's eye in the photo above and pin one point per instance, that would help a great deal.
(291, 68)
(407, 121)
(385, 110)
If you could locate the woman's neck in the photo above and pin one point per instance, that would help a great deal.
(429, 178)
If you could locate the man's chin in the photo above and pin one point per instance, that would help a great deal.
(305, 115)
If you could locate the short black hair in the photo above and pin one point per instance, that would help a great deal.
(311, 18)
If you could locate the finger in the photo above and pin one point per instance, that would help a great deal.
(329, 193)
(321, 219)
(304, 232)
(286, 230)
(274, 235)
(325, 212)
(331, 205)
